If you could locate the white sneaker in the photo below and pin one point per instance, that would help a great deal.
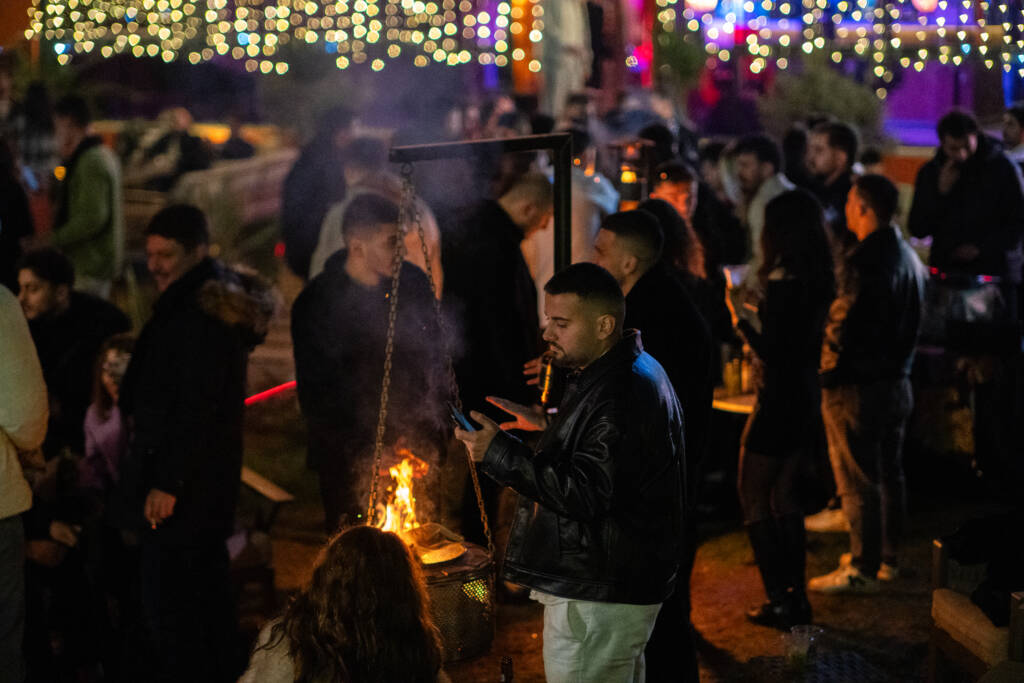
(886, 572)
(845, 579)
(827, 521)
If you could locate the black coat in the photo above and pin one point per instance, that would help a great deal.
(676, 334)
(315, 182)
(873, 323)
(15, 225)
(985, 208)
(67, 344)
(833, 201)
(602, 495)
(339, 330)
(492, 297)
(787, 417)
(184, 394)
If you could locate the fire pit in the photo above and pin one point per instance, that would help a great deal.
(462, 602)
(458, 574)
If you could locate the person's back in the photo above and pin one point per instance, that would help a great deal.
(316, 181)
(491, 293)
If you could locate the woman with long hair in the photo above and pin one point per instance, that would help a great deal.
(363, 619)
(799, 284)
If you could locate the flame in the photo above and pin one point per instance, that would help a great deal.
(400, 503)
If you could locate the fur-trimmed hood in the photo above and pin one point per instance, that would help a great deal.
(241, 298)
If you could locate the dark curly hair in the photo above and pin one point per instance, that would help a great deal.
(364, 616)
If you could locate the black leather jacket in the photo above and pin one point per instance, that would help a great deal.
(602, 494)
(873, 323)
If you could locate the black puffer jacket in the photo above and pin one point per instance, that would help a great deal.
(184, 393)
(873, 323)
(602, 495)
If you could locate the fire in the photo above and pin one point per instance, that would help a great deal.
(399, 502)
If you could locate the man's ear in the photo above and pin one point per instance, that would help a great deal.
(605, 326)
(630, 264)
(62, 293)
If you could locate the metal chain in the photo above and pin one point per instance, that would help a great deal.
(410, 203)
(389, 351)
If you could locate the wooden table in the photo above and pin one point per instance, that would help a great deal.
(740, 404)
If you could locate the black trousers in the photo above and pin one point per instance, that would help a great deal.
(671, 653)
(189, 610)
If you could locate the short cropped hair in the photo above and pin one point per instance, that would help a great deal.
(674, 172)
(593, 285)
(840, 136)
(761, 146)
(366, 213)
(75, 108)
(880, 195)
(640, 230)
(871, 156)
(367, 153)
(957, 124)
(183, 223)
(532, 186)
(1017, 112)
(48, 264)
(579, 139)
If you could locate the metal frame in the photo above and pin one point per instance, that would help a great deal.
(559, 143)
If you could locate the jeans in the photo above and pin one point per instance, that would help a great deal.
(585, 642)
(12, 598)
(865, 425)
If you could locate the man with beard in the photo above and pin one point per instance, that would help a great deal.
(760, 177)
(831, 153)
(602, 496)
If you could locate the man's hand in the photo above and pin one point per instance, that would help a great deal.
(65, 533)
(948, 175)
(479, 441)
(159, 506)
(966, 253)
(528, 418)
(531, 371)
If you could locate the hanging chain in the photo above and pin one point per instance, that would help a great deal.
(410, 203)
(389, 351)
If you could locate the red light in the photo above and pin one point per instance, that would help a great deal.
(279, 250)
(264, 395)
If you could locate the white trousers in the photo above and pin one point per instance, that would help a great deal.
(590, 642)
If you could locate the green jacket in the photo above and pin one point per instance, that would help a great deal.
(92, 234)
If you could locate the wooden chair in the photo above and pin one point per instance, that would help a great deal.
(964, 639)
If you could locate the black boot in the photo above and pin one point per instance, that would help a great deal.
(793, 551)
(765, 541)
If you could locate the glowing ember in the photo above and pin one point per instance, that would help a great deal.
(399, 502)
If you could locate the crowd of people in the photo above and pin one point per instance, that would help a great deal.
(120, 453)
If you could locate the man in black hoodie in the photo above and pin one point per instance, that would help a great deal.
(68, 328)
(339, 332)
(970, 200)
(676, 335)
(184, 392)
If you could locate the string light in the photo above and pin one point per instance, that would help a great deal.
(255, 31)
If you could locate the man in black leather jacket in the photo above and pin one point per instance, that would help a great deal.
(865, 371)
(598, 526)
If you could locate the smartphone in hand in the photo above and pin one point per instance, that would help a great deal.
(460, 420)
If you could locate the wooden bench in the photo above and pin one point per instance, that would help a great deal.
(250, 548)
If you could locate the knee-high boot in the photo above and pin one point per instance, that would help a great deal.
(793, 551)
(766, 543)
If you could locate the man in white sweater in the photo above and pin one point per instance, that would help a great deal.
(23, 415)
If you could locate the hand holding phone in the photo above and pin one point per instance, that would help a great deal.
(459, 419)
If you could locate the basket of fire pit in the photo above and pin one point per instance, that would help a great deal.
(462, 602)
